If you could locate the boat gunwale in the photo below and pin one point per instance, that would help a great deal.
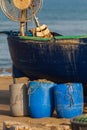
(71, 40)
(55, 37)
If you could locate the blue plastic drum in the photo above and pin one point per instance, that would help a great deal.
(40, 99)
(68, 99)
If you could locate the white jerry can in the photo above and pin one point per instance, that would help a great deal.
(18, 99)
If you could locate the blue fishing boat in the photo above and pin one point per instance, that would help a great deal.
(60, 59)
(39, 53)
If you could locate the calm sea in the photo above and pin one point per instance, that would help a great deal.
(67, 17)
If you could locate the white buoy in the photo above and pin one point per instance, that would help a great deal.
(18, 99)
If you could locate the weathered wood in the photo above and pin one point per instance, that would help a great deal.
(8, 125)
(20, 127)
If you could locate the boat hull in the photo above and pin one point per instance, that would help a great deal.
(59, 60)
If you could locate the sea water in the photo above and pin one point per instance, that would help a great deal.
(67, 17)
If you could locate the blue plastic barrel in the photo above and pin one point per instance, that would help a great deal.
(40, 99)
(68, 99)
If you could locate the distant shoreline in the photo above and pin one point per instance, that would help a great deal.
(5, 72)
